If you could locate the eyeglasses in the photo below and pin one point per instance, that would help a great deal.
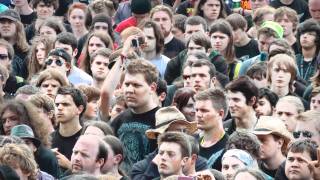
(306, 134)
(58, 62)
(3, 57)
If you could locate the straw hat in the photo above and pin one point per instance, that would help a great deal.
(273, 125)
(167, 116)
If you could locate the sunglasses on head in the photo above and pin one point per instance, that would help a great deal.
(306, 134)
(58, 62)
(3, 56)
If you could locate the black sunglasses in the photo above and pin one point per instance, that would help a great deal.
(58, 62)
(306, 134)
(3, 56)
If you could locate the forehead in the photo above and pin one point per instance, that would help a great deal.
(192, 44)
(149, 31)
(285, 106)
(58, 44)
(95, 39)
(170, 146)
(89, 143)
(160, 14)
(212, 2)
(101, 24)
(265, 38)
(198, 27)
(218, 33)
(77, 11)
(60, 98)
(235, 94)
(306, 125)
(50, 81)
(203, 69)
(232, 161)
(101, 58)
(3, 50)
(137, 78)
(304, 154)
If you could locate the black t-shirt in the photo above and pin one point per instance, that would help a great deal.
(214, 153)
(47, 161)
(130, 128)
(296, 48)
(185, 8)
(173, 48)
(247, 51)
(264, 169)
(28, 19)
(64, 144)
(300, 6)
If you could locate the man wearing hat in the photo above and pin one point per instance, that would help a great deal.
(12, 30)
(59, 59)
(140, 10)
(44, 157)
(274, 138)
(167, 119)
(268, 32)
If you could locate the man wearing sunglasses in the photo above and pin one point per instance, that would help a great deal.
(59, 59)
(308, 126)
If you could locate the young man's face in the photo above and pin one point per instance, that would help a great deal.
(66, 47)
(186, 76)
(264, 42)
(315, 102)
(178, 33)
(219, 41)
(48, 32)
(194, 48)
(101, 27)
(269, 146)
(164, 21)
(297, 166)
(200, 78)
(237, 104)
(211, 9)
(66, 109)
(170, 159)
(9, 119)
(207, 117)
(94, 44)
(263, 107)
(287, 112)
(150, 39)
(280, 76)
(137, 91)
(190, 29)
(4, 57)
(286, 24)
(57, 63)
(44, 11)
(307, 130)
(50, 87)
(99, 67)
(255, 4)
(307, 40)
(314, 9)
(8, 28)
(238, 35)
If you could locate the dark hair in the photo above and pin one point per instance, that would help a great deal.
(161, 87)
(77, 96)
(179, 21)
(217, 98)
(224, 27)
(244, 140)
(200, 39)
(157, 34)
(285, 48)
(117, 147)
(269, 95)
(310, 25)
(179, 138)
(102, 151)
(67, 38)
(101, 17)
(103, 126)
(244, 85)
(257, 71)
(53, 23)
(54, 3)
(204, 62)
(195, 148)
(196, 20)
(305, 145)
(105, 52)
(182, 96)
(199, 11)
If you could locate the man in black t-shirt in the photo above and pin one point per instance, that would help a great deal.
(26, 13)
(139, 87)
(244, 46)
(163, 15)
(70, 105)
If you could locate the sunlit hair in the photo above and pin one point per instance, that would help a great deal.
(290, 13)
(33, 64)
(294, 101)
(49, 74)
(45, 103)
(91, 93)
(19, 156)
(285, 63)
(258, 15)
(148, 70)
(163, 8)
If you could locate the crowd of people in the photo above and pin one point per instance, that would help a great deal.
(160, 89)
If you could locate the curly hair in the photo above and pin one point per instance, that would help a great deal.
(27, 114)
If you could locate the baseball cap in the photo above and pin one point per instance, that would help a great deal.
(60, 53)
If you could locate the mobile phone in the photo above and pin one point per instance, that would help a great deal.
(135, 43)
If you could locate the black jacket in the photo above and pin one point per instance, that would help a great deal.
(146, 170)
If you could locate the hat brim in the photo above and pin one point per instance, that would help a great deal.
(9, 17)
(287, 138)
(35, 141)
(190, 126)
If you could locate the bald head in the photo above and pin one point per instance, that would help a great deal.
(314, 9)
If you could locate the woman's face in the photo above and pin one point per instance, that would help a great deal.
(189, 111)
(263, 107)
(9, 119)
(94, 44)
(91, 110)
(230, 165)
(40, 53)
(280, 76)
(48, 32)
(219, 41)
(50, 87)
(77, 19)
(211, 9)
